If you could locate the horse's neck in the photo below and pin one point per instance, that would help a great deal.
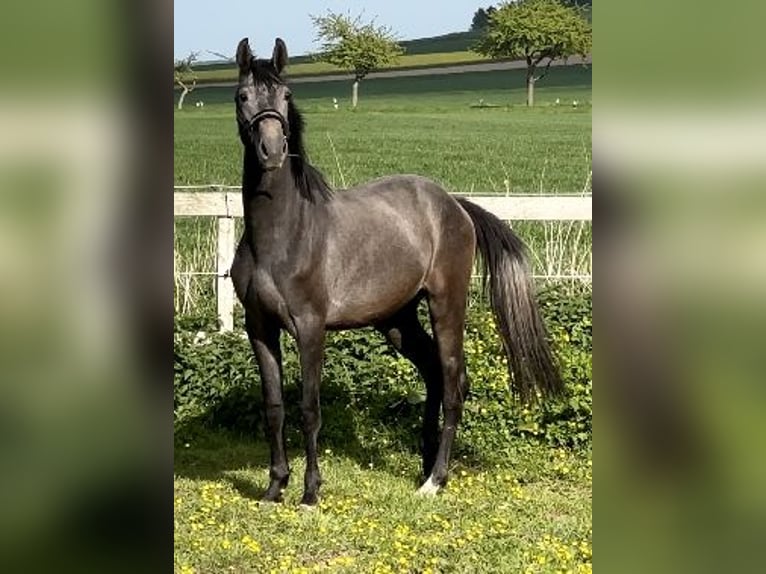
(275, 212)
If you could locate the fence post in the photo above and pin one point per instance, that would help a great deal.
(225, 257)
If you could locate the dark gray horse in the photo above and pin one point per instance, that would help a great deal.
(310, 261)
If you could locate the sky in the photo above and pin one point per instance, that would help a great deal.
(217, 25)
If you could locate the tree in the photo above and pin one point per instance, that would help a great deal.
(184, 76)
(536, 30)
(481, 19)
(353, 45)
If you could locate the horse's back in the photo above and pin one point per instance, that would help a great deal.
(398, 207)
(383, 241)
(401, 185)
(409, 198)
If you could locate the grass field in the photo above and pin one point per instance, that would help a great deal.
(453, 42)
(530, 512)
(311, 68)
(416, 125)
(452, 48)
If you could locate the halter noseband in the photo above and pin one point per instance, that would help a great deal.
(266, 114)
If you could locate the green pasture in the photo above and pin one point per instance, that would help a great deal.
(309, 67)
(532, 515)
(446, 49)
(452, 42)
(424, 125)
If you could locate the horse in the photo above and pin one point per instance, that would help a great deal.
(313, 259)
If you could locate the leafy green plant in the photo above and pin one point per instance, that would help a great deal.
(372, 398)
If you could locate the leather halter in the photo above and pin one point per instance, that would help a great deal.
(269, 113)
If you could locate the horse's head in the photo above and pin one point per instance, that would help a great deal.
(262, 104)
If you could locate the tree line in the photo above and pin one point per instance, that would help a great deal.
(536, 31)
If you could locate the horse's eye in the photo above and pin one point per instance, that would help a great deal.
(288, 95)
(242, 97)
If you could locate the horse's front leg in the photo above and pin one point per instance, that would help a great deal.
(264, 338)
(311, 340)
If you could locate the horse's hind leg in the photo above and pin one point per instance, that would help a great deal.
(448, 321)
(407, 335)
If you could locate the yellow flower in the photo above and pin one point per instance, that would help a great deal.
(251, 544)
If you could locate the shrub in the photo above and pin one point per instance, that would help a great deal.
(372, 398)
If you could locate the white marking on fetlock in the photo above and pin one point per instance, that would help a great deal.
(429, 488)
(307, 507)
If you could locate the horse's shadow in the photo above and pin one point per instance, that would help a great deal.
(240, 454)
(246, 488)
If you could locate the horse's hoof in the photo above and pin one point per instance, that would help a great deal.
(307, 507)
(273, 498)
(429, 488)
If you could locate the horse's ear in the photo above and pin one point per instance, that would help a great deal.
(279, 57)
(244, 55)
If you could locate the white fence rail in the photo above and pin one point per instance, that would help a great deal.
(225, 203)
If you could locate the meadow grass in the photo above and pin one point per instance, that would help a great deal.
(422, 125)
(530, 514)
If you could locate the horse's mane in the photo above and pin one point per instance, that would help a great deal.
(308, 179)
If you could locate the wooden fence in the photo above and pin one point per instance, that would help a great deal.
(225, 203)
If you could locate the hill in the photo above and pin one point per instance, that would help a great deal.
(454, 42)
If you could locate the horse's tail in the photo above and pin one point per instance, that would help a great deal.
(506, 277)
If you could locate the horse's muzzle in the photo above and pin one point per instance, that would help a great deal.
(271, 151)
(267, 132)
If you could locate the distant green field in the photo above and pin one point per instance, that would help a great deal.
(455, 42)
(424, 125)
(419, 124)
(311, 68)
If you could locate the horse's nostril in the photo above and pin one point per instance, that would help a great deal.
(264, 151)
(284, 146)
